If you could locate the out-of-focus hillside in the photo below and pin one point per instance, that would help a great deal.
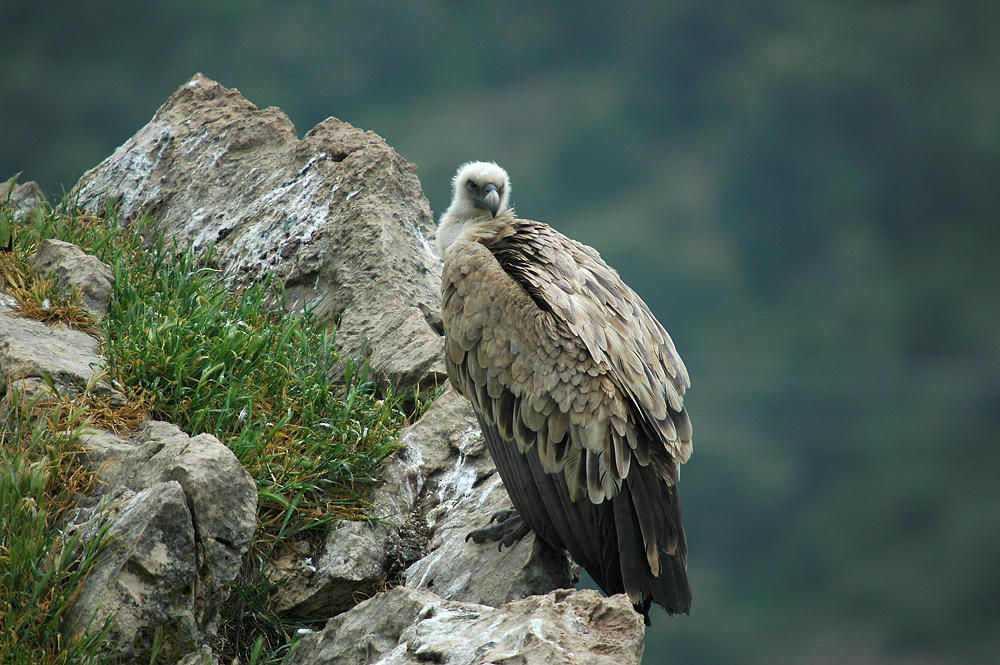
(804, 193)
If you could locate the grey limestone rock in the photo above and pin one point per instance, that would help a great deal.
(21, 197)
(76, 270)
(338, 217)
(407, 627)
(198, 549)
(32, 354)
(462, 492)
(147, 576)
(435, 490)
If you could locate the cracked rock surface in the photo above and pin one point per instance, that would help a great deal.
(180, 513)
(75, 270)
(338, 217)
(407, 627)
(35, 358)
(435, 490)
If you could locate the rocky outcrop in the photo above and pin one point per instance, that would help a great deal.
(437, 488)
(339, 217)
(458, 489)
(76, 271)
(145, 579)
(180, 513)
(408, 627)
(176, 514)
(35, 358)
(20, 198)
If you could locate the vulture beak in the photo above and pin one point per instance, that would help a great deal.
(491, 199)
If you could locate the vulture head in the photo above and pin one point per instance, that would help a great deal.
(480, 195)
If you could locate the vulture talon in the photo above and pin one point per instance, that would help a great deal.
(504, 515)
(515, 534)
(508, 529)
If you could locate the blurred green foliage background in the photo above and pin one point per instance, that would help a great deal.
(806, 193)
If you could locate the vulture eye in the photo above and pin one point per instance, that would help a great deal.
(472, 186)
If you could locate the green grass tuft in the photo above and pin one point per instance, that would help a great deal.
(185, 347)
(211, 360)
(40, 571)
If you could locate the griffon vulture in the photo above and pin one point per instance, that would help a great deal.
(578, 390)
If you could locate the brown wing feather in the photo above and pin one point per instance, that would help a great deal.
(615, 325)
(579, 392)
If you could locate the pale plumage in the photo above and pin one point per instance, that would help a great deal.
(577, 387)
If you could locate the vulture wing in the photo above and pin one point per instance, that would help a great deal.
(579, 393)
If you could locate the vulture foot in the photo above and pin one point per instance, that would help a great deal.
(509, 529)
